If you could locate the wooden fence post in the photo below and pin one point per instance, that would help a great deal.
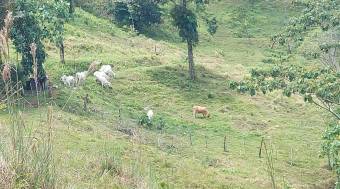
(225, 144)
(260, 152)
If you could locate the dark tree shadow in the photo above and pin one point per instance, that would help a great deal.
(162, 33)
(208, 85)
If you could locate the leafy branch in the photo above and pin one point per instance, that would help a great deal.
(318, 86)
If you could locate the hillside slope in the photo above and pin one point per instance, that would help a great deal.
(187, 152)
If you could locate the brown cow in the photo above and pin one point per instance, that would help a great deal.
(200, 110)
(94, 66)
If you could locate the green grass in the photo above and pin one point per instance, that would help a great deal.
(88, 144)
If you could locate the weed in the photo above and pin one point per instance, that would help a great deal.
(145, 121)
(111, 164)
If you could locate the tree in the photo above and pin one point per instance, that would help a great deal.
(322, 14)
(56, 14)
(318, 85)
(34, 22)
(27, 30)
(137, 13)
(121, 13)
(72, 6)
(4, 7)
(185, 20)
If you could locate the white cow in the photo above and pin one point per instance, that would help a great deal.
(81, 77)
(107, 69)
(68, 80)
(102, 78)
(150, 115)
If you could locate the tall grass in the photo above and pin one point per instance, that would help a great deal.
(26, 158)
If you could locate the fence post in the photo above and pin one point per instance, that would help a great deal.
(260, 152)
(190, 136)
(225, 144)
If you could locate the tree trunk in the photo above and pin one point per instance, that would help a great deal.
(184, 3)
(71, 9)
(62, 53)
(191, 60)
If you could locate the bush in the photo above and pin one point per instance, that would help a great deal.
(121, 13)
(158, 123)
(97, 7)
(330, 148)
(138, 13)
(144, 121)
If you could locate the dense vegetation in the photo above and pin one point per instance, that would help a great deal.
(91, 136)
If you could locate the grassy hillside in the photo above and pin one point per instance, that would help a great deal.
(187, 152)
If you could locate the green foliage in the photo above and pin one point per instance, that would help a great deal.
(26, 30)
(145, 121)
(314, 14)
(331, 148)
(314, 85)
(212, 25)
(331, 145)
(186, 21)
(145, 13)
(121, 13)
(56, 14)
(242, 21)
(35, 22)
(158, 123)
(138, 13)
(3, 7)
(96, 7)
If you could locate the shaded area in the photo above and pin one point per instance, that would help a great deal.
(208, 85)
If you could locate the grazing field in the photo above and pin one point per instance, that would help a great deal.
(106, 147)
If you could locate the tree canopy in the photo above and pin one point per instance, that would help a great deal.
(184, 15)
(138, 14)
(34, 22)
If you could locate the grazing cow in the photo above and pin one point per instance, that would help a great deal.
(81, 77)
(150, 115)
(94, 66)
(200, 110)
(107, 69)
(68, 80)
(102, 78)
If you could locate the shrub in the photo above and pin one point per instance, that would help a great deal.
(138, 13)
(121, 13)
(161, 124)
(144, 121)
(158, 123)
(330, 148)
